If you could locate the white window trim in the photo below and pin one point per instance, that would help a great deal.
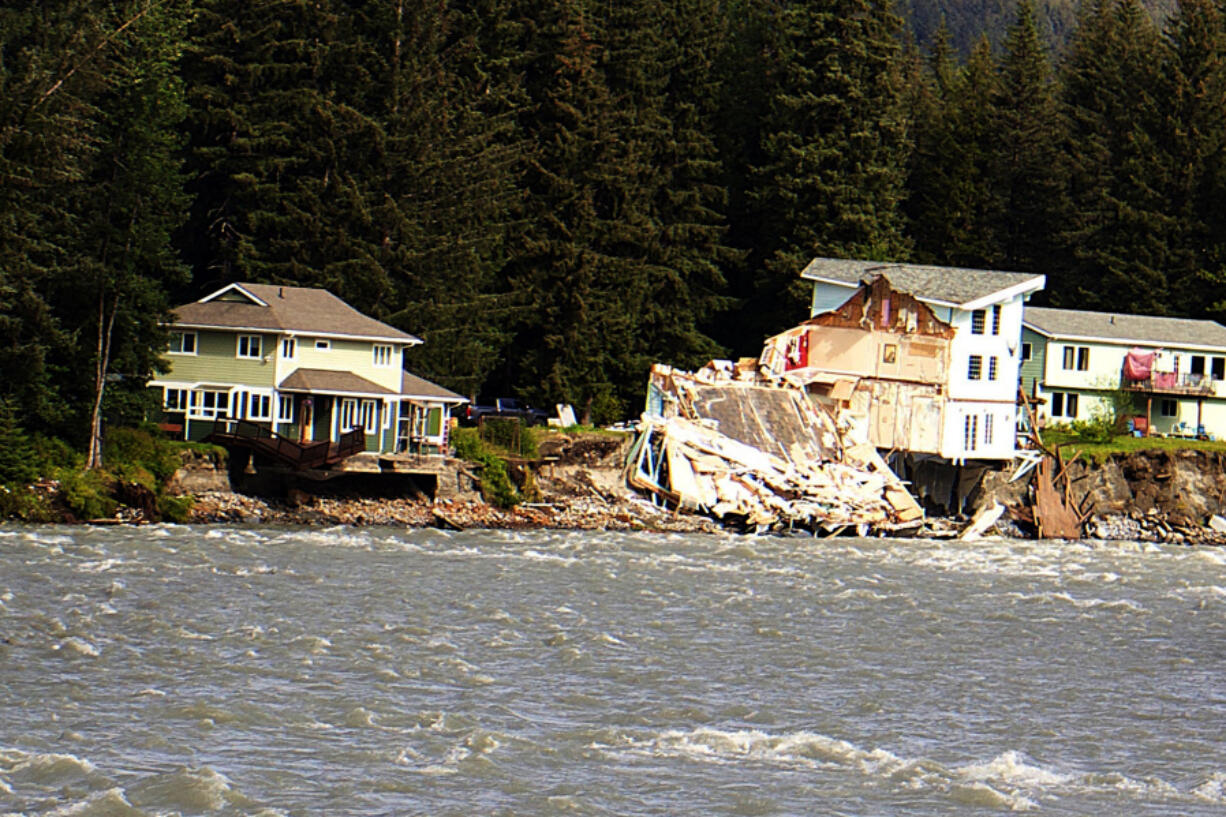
(368, 416)
(382, 355)
(323, 345)
(195, 343)
(259, 396)
(196, 409)
(185, 394)
(347, 417)
(973, 372)
(292, 345)
(238, 347)
(284, 401)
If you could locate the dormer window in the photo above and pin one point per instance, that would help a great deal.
(249, 347)
(183, 343)
(382, 355)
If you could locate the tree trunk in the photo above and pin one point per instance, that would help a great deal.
(106, 325)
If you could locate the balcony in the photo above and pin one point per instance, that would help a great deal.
(1173, 383)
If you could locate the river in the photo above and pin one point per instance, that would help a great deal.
(262, 671)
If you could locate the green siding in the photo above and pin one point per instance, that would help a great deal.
(1032, 370)
(215, 362)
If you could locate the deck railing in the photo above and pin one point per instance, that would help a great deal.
(1172, 383)
(300, 455)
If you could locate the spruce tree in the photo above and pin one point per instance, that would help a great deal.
(835, 149)
(1117, 235)
(1027, 165)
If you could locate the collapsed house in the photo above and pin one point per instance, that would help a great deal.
(756, 452)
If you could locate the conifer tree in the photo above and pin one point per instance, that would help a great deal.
(835, 148)
(1193, 157)
(1027, 168)
(1118, 231)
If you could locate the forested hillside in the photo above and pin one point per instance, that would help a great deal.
(556, 193)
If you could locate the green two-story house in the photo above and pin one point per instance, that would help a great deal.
(302, 363)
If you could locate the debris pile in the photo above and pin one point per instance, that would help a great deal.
(761, 456)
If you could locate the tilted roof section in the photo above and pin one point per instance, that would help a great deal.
(297, 310)
(413, 386)
(949, 286)
(1115, 327)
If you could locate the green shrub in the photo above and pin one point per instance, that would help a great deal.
(18, 464)
(19, 502)
(175, 508)
(128, 448)
(496, 485)
(86, 493)
(1096, 430)
(510, 435)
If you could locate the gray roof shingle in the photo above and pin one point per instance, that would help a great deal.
(325, 381)
(1139, 330)
(948, 285)
(301, 310)
(413, 386)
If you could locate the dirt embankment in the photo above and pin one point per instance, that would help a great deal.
(576, 484)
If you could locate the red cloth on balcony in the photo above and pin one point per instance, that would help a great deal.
(1138, 364)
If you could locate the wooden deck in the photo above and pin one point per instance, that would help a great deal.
(296, 455)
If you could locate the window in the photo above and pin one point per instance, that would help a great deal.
(1027, 352)
(370, 416)
(1219, 368)
(288, 347)
(209, 404)
(174, 399)
(183, 343)
(259, 407)
(285, 408)
(996, 319)
(974, 367)
(1064, 405)
(1169, 408)
(987, 429)
(978, 319)
(889, 353)
(322, 345)
(383, 355)
(1076, 357)
(970, 433)
(992, 367)
(1198, 365)
(249, 346)
(349, 414)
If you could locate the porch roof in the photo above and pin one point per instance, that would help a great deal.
(324, 381)
(412, 386)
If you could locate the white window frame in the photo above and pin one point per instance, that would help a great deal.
(996, 319)
(182, 338)
(323, 345)
(992, 368)
(244, 344)
(180, 402)
(979, 321)
(974, 367)
(382, 355)
(262, 400)
(348, 418)
(1067, 401)
(197, 409)
(988, 422)
(289, 348)
(970, 432)
(368, 416)
(285, 408)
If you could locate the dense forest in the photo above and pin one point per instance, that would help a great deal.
(556, 193)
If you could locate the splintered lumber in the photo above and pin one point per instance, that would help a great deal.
(1054, 515)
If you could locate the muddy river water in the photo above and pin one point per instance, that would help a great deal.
(259, 671)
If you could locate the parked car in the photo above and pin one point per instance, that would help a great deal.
(507, 407)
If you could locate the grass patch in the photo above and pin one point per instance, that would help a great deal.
(1099, 452)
